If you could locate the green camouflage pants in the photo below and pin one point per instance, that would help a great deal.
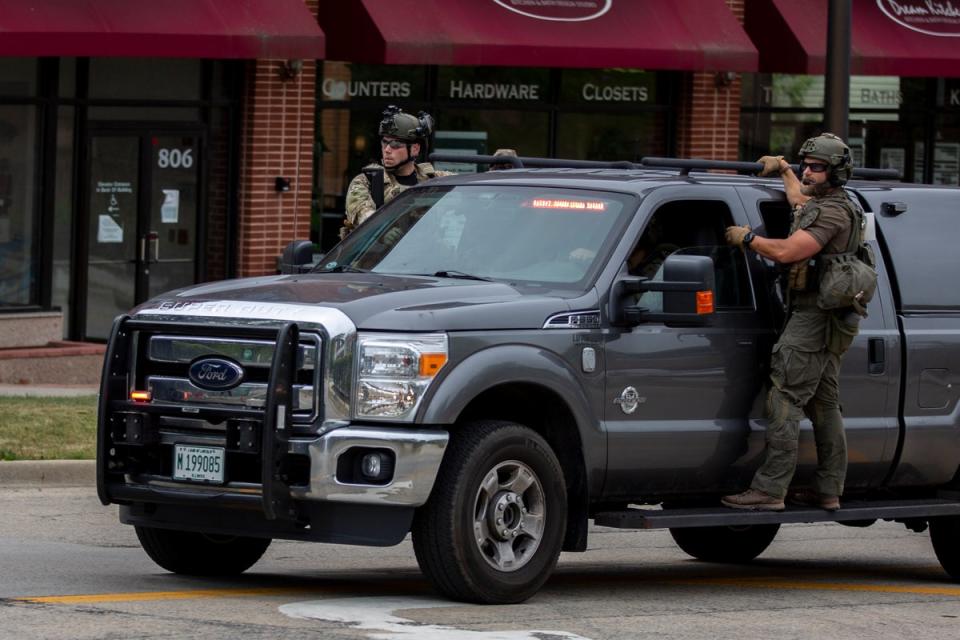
(806, 380)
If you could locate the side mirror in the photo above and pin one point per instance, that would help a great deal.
(297, 257)
(688, 291)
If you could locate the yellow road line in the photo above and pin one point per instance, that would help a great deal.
(748, 583)
(767, 583)
(143, 596)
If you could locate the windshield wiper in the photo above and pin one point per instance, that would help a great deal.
(344, 268)
(447, 273)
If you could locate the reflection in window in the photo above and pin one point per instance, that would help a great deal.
(611, 136)
(546, 236)
(485, 131)
(692, 228)
(888, 119)
(17, 207)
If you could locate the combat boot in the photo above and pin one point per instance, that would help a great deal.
(753, 500)
(811, 498)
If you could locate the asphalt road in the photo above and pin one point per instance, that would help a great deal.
(68, 569)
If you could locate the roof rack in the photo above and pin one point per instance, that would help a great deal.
(685, 165)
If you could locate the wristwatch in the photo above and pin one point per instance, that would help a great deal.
(748, 238)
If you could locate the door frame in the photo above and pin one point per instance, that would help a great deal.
(143, 131)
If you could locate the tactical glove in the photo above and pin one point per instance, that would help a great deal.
(734, 235)
(771, 165)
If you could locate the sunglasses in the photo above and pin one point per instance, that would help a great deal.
(814, 167)
(393, 144)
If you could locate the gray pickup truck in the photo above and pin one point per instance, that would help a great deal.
(493, 360)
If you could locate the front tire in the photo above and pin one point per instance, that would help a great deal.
(734, 545)
(493, 527)
(945, 536)
(201, 554)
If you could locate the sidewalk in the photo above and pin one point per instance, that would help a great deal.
(40, 474)
(49, 390)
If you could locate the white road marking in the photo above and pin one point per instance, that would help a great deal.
(375, 615)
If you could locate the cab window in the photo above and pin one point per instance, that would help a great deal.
(692, 227)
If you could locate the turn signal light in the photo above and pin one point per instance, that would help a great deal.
(140, 396)
(430, 363)
(704, 302)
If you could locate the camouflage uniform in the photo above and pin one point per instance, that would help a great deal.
(805, 365)
(360, 205)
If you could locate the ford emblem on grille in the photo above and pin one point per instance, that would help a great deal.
(215, 374)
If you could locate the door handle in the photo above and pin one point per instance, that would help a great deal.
(147, 256)
(877, 355)
(154, 237)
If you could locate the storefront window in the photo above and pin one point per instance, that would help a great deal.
(18, 77)
(347, 141)
(886, 119)
(68, 77)
(145, 79)
(946, 156)
(611, 136)
(18, 269)
(605, 114)
(63, 214)
(483, 131)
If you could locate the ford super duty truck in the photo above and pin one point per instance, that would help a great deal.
(493, 360)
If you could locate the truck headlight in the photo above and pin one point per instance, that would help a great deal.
(394, 371)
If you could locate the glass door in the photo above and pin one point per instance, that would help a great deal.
(143, 208)
(171, 232)
(113, 239)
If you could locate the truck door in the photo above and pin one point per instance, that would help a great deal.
(868, 393)
(683, 404)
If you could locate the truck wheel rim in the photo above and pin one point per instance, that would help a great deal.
(509, 515)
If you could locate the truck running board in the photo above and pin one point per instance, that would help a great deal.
(719, 516)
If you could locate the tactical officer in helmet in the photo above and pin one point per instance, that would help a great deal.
(805, 363)
(402, 137)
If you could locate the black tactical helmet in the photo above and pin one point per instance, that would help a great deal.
(405, 126)
(832, 150)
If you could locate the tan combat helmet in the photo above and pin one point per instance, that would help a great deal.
(834, 151)
(405, 126)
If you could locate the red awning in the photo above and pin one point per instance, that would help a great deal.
(889, 38)
(648, 34)
(160, 28)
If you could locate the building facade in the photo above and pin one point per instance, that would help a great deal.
(132, 164)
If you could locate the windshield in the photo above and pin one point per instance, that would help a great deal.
(517, 234)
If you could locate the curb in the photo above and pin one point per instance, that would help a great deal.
(48, 391)
(41, 474)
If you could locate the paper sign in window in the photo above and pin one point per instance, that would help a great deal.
(170, 209)
(108, 231)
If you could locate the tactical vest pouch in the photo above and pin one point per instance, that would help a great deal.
(848, 280)
(803, 276)
(842, 328)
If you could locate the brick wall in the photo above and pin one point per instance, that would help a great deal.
(276, 141)
(708, 123)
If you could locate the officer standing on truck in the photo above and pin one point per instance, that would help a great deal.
(402, 137)
(805, 363)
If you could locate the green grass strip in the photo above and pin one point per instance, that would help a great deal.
(48, 428)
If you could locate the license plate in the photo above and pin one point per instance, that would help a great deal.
(198, 464)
